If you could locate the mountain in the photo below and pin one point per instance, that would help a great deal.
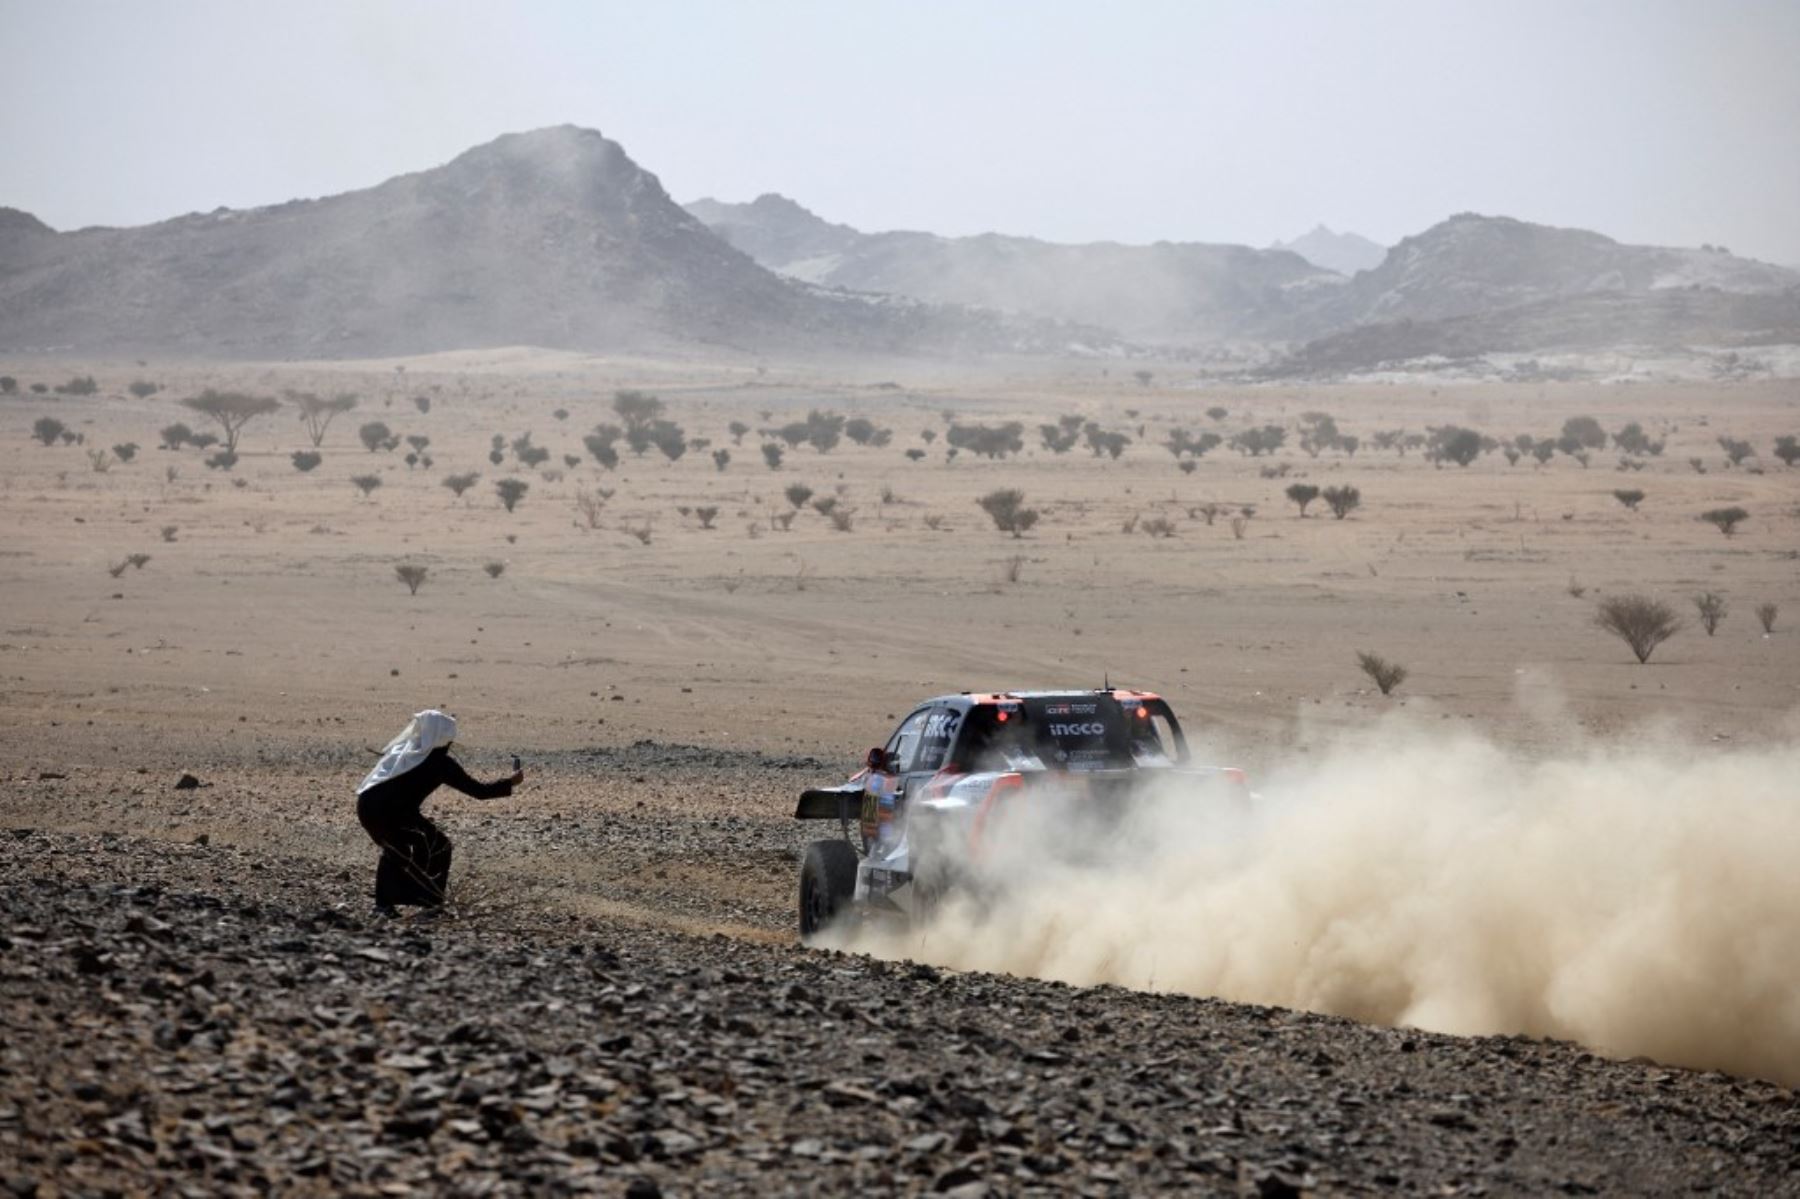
(554, 238)
(1345, 253)
(1170, 292)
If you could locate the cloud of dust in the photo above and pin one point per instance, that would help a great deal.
(1641, 897)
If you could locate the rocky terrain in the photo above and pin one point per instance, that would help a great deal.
(1182, 293)
(550, 238)
(198, 1019)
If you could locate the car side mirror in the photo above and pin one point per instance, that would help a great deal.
(877, 759)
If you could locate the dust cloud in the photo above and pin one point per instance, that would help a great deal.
(1641, 897)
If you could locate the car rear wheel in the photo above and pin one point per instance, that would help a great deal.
(827, 884)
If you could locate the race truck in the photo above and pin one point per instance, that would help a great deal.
(927, 808)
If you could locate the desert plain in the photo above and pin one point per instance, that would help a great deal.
(671, 686)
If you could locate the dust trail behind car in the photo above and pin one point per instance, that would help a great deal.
(1640, 896)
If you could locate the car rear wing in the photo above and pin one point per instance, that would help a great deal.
(830, 803)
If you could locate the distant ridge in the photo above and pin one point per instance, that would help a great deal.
(553, 237)
(1345, 253)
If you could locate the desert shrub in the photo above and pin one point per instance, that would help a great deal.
(494, 569)
(531, 455)
(1006, 508)
(125, 451)
(636, 407)
(641, 531)
(115, 569)
(1217, 413)
(1639, 621)
(1207, 512)
(423, 404)
(861, 430)
(1765, 616)
(1342, 500)
(599, 443)
(797, 494)
(1058, 439)
(232, 410)
(80, 385)
(1180, 442)
(915, 454)
(561, 414)
(842, 519)
(1787, 448)
(666, 436)
(1634, 441)
(175, 436)
(461, 483)
(1452, 443)
(1712, 608)
(824, 504)
(1102, 441)
(771, 453)
(737, 429)
(589, 505)
(1302, 494)
(366, 483)
(511, 491)
(1385, 674)
(169, 532)
(100, 461)
(933, 521)
(1131, 523)
(989, 441)
(1158, 526)
(1735, 450)
(1259, 441)
(143, 389)
(706, 514)
(1630, 497)
(721, 459)
(38, 389)
(1238, 526)
(418, 442)
(1512, 455)
(305, 460)
(781, 520)
(1318, 432)
(375, 436)
(223, 460)
(1187, 466)
(1699, 465)
(411, 575)
(1581, 432)
(1543, 450)
(8, 385)
(1012, 568)
(1143, 377)
(47, 429)
(317, 412)
(1726, 519)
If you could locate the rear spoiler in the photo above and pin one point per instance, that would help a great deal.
(830, 803)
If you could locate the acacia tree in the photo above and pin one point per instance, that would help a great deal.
(1639, 621)
(1302, 494)
(317, 413)
(511, 491)
(232, 410)
(1727, 519)
(1006, 508)
(1342, 500)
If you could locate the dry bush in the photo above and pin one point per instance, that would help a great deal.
(1302, 494)
(461, 483)
(1576, 587)
(1699, 465)
(1765, 616)
(782, 521)
(841, 518)
(411, 575)
(138, 560)
(1712, 608)
(494, 569)
(125, 451)
(934, 521)
(1012, 568)
(1206, 512)
(47, 429)
(100, 460)
(797, 494)
(118, 568)
(169, 531)
(1385, 674)
(1342, 500)
(1726, 519)
(1130, 525)
(1639, 621)
(366, 483)
(306, 460)
(1006, 508)
(511, 491)
(1630, 497)
(641, 531)
(589, 506)
(706, 514)
(1238, 525)
(1158, 526)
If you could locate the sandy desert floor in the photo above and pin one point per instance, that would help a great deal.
(670, 696)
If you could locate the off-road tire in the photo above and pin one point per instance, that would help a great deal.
(827, 883)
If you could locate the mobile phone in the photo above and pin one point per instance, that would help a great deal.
(516, 766)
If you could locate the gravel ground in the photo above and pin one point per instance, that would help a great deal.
(211, 1019)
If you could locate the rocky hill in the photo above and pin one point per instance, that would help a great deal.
(554, 238)
(1345, 253)
(1170, 292)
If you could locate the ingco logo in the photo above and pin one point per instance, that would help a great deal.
(1093, 729)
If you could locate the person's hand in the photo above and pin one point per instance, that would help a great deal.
(517, 777)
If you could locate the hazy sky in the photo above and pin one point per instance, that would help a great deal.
(1668, 121)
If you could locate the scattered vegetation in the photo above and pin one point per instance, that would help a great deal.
(461, 483)
(1006, 508)
(1302, 494)
(1630, 497)
(366, 483)
(317, 412)
(1386, 675)
(1639, 621)
(305, 460)
(1725, 519)
(1342, 500)
(143, 389)
(494, 569)
(48, 430)
(232, 410)
(511, 491)
(125, 451)
(411, 575)
(797, 494)
(1712, 608)
(1765, 616)
(377, 436)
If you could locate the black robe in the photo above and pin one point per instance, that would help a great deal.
(415, 855)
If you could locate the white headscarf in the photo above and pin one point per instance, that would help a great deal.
(425, 732)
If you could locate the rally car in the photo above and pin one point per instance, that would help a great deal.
(930, 803)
